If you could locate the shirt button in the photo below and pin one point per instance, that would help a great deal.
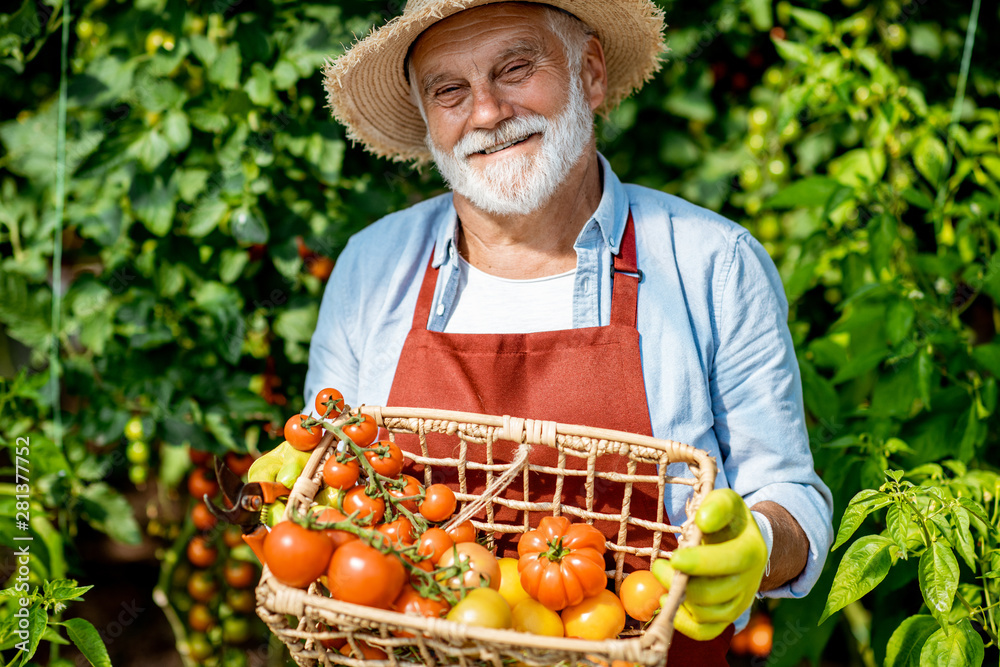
(611, 241)
(586, 284)
(440, 309)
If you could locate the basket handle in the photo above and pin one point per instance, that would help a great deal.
(493, 490)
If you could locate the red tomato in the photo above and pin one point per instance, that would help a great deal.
(640, 594)
(433, 543)
(239, 463)
(439, 503)
(202, 483)
(411, 602)
(362, 433)
(389, 464)
(338, 537)
(199, 457)
(200, 618)
(411, 489)
(341, 475)
(202, 517)
(329, 398)
(239, 573)
(295, 555)
(367, 651)
(361, 574)
(356, 500)
(302, 438)
(200, 552)
(463, 532)
(399, 532)
(484, 570)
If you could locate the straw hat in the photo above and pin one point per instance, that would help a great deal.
(368, 92)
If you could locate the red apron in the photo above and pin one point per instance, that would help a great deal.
(591, 376)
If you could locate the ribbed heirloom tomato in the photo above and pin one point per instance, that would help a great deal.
(361, 574)
(561, 563)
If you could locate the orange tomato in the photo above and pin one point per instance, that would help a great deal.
(640, 594)
(599, 617)
(761, 638)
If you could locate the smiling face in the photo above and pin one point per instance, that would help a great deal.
(508, 116)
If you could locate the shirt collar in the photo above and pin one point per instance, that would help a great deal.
(610, 218)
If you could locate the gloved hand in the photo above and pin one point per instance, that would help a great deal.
(725, 570)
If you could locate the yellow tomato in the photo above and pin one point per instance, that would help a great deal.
(483, 607)
(597, 618)
(510, 582)
(532, 616)
(640, 595)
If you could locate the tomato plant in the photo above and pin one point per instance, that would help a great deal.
(202, 483)
(202, 517)
(439, 503)
(200, 552)
(202, 586)
(239, 573)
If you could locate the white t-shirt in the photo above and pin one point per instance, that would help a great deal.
(488, 304)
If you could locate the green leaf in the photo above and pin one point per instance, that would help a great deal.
(977, 512)
(899, 523)
(820, 397)
(905, 644)
(64, 590)
(296, 325)
(150, 149)
(808, 192)
(231, 264)
(88, 640)
(862, 504)
(206, 216)
(108, 511)
(956, 646)
(225, 69)
(760, 14)
(964, 542)
(38, 620)
(938, 577)
(812, 20)
(929, 156)
(793, 51)
(859, 168)
(260, 86)
(863, 567)
(248, 228)
(899, 318)
(154, 203)
(176, 131)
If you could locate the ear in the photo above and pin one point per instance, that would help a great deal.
(594, 73)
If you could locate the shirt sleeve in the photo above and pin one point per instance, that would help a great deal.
(757, 404)
(332, 358)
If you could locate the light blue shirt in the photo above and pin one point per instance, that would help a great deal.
(718, 360)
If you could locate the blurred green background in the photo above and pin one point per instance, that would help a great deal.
(208, 194)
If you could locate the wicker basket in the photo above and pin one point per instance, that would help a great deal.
(301, 619)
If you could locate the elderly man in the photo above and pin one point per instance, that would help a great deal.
(543, 287)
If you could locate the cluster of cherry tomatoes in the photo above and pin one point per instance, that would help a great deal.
(213, 582)
(376, 536)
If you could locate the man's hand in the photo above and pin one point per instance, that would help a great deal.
(725, 570)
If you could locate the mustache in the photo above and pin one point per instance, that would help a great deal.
(515, 129)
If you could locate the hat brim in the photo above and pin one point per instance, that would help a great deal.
(368, 92)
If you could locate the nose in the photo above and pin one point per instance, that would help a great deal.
(489, 109)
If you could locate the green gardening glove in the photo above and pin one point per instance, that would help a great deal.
(725, 570)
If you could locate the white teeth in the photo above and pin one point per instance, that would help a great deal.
(496, 149)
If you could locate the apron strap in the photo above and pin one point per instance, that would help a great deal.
(625, 276)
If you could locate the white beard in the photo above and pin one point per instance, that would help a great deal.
(520, 184)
